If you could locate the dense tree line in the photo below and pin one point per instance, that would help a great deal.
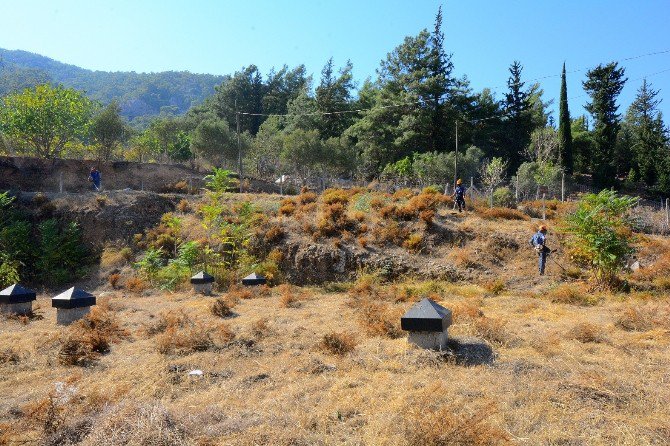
(403, 125)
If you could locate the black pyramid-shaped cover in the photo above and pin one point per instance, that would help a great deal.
(16, 294)
(254, 279)
(202, 277)
(426, 316)
(73, 298)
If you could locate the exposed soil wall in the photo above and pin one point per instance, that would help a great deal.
(40, 175)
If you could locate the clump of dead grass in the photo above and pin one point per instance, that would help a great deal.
(495, 286)
(643, 317)
(428, 423)
(338, 343)
(221, 308)
(113, 257)
(573, 294)
(87, 339)
(380, 319)
(135, 284)
(289, 296)
(586, 332)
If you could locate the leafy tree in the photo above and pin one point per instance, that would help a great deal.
(62, 252)
(493, 174)
(282, 87)
(582, 144)
(214, 141)
(302, 152)
(220, 180)
(109, 130)
(144, 147)
(603, 84)
(564, 127)
(46, 118)
(180, 150)
(601, 234)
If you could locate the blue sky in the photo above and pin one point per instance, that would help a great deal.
(220, 37)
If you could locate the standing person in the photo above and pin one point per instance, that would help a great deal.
(95, 177)
(459, 195)
(539, 244)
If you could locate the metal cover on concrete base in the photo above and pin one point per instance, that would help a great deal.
(426, 316)
(254, 279)
(73, 298)
(202, 277)
(16, 294)
(203, 288)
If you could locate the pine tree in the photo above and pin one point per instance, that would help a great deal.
(564, 127)
(603, 84)
(647, 133)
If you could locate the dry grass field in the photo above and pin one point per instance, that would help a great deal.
(531, 361)
(555, 374)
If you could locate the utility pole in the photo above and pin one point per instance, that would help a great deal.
(239, 146)
(456, 157)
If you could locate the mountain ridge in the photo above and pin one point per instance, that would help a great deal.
(141, 95)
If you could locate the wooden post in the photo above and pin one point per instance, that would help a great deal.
(516, 193)
(563, 187)
(456, 157)
(239, 147)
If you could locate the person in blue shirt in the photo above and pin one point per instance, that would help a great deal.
(539, 244)
(94, 177)
(459, 195)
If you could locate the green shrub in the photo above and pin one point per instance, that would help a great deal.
(62, 255)
(601, 234)
(504, 197)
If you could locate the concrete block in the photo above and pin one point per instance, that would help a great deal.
(203, 288)
(17, 308)
(432, 340)
(66, 316)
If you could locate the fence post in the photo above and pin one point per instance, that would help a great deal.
(516, 192)
(563, 187)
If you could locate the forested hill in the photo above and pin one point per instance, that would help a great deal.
(141, 95)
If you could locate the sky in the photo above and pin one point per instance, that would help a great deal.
(484, 36)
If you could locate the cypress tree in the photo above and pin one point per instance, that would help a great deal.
(564, 127)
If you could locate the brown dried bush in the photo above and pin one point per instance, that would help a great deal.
(114, 280)
(288, 296)
(260, 328)
(287, 207)
(221, 308)
(274, 234)
(183, 206)
(380, 319)
(414, 243)
(338, 343)
(306, 197)
(236, 293)
(332, 196)
(135, 285)
(493, 330)
(586, 332)
(495, 286)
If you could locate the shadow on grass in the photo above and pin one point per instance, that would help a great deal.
(469, 351)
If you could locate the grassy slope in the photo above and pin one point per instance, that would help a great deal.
(563, 373)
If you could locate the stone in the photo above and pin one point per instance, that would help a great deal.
(17, 300)
(427, 324)
(254, 279)
(72, 305)
(202, 283)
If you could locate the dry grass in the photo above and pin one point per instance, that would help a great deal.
(495, 286)
(113, 257)
(338, 343)
(573, 294)
(503, 213)
(183, 206)
(289, 297)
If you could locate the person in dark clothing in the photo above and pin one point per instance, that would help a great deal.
(95, 177)
(539, 244)
(459, 195)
